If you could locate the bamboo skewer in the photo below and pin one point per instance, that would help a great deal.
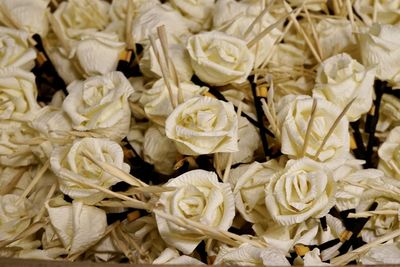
(372, 213)
(35, 180)
(302, 32)
(78, 180)
(336, 122)
(309, 127)
(314, 32)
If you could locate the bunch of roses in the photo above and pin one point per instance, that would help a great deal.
(200, 132)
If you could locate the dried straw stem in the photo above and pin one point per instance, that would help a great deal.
(336, 122)
(309, 127)
(35, 180)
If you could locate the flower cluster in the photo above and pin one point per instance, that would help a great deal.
(200, 132)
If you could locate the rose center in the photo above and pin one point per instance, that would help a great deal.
(206, 120)
(223, 53)
(192, 205)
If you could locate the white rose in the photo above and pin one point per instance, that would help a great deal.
(389, 113)
(98, 53)
(74, 18)
(70, 161)
(264, 46)
(18, 95)
(15, 50)
(199, 197)
(249, 189)
(15, 216)
(248, 142)
(249, 255)
(203, 125)
(335, 36)
(389, 154)
(119, 10)
(13, 176)
(172, 256)
(293, 116)
(227, 11)
(50, 121)
(341, 78)
(308, 233)
(380, 46)
(157, 103)
(79, 226)
(27, 15)
(382, 254)
(14, 150)
(304, 189)
(64, 66)
(349, 195)
(313, 258)
(198, 12)
(220, 59)
(150, 67)
(159, 150)
(147, 21)
(100, 104)
(387, 11)
(144, 232)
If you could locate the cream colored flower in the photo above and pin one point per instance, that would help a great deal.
(248, 142)
(172, 256)
(249, 189)
(147, 21)
(227, 11)
(15, 50)
(150, 67)
(249, 255)
(159, 150)
(27, 15)
(78, 226)
(293, 116)
(51, 122)
(263, 48)
(100, 104)
(340, 79)
(381, 224)
(157, 103)
(199, 12)
(15, 216)
(220, 59)
(308, 233)
(76, 17)
(203, 125)
(382, 254)
(387, 11)
(313, 258)
(98, 53)
(198, 197)
(380, 46)
(144, 232)
(335, 36)
(389, 154)
(70, 161)
(349, 194)
(304, 189)
(14, 150)
(17, 95)
(389, 113)
(119, 10)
